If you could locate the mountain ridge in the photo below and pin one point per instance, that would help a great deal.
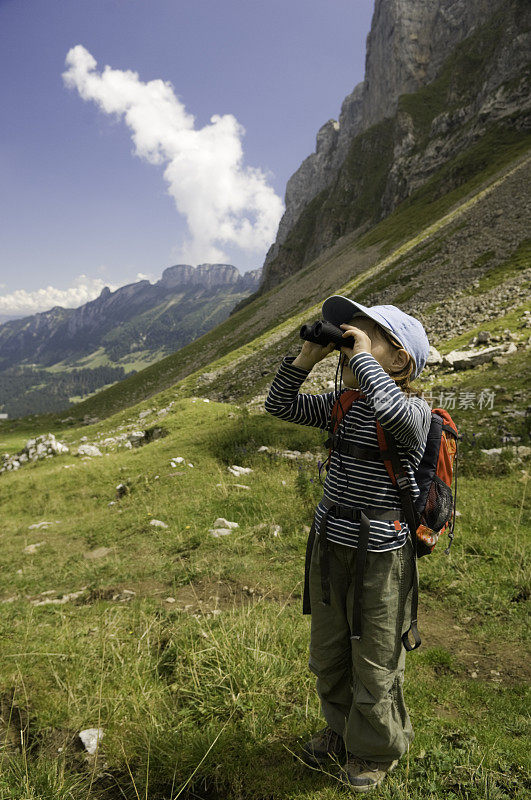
(370, 161)
(128, 328)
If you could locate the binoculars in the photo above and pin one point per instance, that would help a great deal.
(323, 332)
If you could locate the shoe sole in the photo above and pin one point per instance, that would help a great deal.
(368, 787)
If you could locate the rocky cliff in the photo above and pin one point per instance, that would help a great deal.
(440, 76)
(185, 303)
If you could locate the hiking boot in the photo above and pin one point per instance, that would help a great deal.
(324, 745)
(365, 775)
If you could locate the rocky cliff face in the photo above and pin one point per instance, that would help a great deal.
(407, 48)
(205, 275)
(137, 316)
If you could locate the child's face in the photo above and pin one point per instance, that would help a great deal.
(385, 354)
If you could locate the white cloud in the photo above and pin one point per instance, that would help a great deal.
(24, 302)
(223, 202)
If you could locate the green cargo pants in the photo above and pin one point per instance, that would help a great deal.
(359, 682)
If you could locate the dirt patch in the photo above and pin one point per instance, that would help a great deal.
(208, 596)
(53, 742)
(125, 593)
(498, 661)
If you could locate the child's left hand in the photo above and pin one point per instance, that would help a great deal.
(362, 342)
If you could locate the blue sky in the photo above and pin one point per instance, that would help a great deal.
(79, 209)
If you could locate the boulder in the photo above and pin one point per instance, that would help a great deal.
(434, 357)
(88, 450)
(465, 359)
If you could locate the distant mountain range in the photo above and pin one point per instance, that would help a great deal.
(129, 328)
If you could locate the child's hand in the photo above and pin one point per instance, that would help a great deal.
(361, 342)
(311, 353)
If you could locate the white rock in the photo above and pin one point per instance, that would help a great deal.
(32, 548)
(263, 448)
(221, 522)
(461, 359)
(91, 738)
(88, 450)
(219, 531)
(237, 471)
(434, 357)
(157, 523)
(178, 460)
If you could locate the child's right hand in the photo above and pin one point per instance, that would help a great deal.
(312, 353)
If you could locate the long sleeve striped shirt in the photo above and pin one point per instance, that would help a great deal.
(351, 481)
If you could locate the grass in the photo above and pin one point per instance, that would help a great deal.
(208, 696)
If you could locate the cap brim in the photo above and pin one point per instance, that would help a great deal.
(338, 309)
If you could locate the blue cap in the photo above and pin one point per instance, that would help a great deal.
(407, 330)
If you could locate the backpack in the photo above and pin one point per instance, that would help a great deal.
(434, 510)
(435, 507)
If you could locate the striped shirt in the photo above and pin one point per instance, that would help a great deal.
(351, 481)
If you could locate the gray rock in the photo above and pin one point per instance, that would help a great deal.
(464, 359)
(434, 357)
(221, 522)
(88, 450)
(91, 738)
(43, 446)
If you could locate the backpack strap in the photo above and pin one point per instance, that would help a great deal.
(367, 453)
(306, 606)
(401, 481)
(354, 513)
(339, 410)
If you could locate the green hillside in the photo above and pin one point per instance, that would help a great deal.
(189, 650)
(272, 321)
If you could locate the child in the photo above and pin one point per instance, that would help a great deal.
(360, 678)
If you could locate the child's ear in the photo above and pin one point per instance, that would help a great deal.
(400, 359)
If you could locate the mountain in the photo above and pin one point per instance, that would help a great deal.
(121, 330)
(125, 526)
(446, 91)
(139, 317)
(429, 211)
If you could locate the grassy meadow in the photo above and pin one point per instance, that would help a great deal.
(190, 651)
